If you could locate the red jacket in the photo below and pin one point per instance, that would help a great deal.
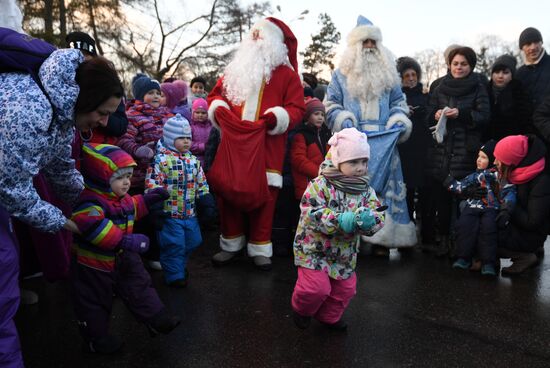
(307, 152)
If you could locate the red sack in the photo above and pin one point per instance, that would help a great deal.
(238, 173)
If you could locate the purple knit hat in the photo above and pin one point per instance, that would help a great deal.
(174, 92)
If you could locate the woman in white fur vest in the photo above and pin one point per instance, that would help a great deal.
(365, 92)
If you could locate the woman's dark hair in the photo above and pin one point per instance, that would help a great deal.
(467, 52)
(98, 81)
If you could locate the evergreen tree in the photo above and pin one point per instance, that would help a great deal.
(321, 50)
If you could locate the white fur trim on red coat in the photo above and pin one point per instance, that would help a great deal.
(212, 109)
(283, 119)
(401, 120)
(274, 179)
(339, 119)
(232, 244)
(255, 250)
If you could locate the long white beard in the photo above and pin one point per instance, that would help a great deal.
(253, 63)
(369, 72)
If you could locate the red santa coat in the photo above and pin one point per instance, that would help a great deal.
(283, 95)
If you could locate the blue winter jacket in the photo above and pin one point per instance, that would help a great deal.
(30, 140)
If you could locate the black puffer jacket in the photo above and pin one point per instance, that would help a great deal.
(536, 79)
(530, 221)
(458, 152)
(413, 151)
(510, 112)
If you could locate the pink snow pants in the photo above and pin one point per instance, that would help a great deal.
(317, 295)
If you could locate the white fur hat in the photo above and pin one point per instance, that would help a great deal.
(364, 30)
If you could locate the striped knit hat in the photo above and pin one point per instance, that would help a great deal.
(175, 127)
(102, 163)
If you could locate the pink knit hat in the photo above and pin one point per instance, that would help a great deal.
(512, 149)
(200, 104)
(348, 144)
(174, 92)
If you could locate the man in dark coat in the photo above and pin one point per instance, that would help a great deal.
(535, 73)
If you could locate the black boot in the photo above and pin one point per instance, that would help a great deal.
(302, 322)
(338, 326)
(162, 323)
(103, 345)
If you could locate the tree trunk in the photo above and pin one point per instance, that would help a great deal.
(91, 4)
(48, 21)
(62, 22)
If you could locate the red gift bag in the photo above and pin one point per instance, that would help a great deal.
(238, 173)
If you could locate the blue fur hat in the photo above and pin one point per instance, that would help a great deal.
(364, 30)
(141, 84)
(175, 127)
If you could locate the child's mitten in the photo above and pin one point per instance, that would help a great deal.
(138, 243)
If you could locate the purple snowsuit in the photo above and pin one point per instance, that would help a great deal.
(31, 141)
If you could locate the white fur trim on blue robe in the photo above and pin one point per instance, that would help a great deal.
(402, 121)
(394, 235)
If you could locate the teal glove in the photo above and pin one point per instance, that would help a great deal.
(366, 220)
(347, 222)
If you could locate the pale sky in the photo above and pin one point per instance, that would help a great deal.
(409, 26)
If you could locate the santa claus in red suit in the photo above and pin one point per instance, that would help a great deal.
(260, 85)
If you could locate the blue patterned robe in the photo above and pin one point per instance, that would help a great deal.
(384, 133)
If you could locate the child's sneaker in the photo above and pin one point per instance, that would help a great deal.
(488, 270)
(462, 264)
(302, 322)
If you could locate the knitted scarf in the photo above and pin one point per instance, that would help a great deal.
(458, 87)
(347, 184)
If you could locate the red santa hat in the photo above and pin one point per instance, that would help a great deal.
(277, 26)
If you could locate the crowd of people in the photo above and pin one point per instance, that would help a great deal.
(111, 183)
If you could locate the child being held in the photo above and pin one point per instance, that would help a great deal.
(201, 127)
(180, 173)
(477, 224)
(146, 118)
(106, 252)
(337, 207)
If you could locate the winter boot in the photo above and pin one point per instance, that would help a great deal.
(443, 247)
(178, 284)
(302, 322)
(222, 258)
(162, 323)
(262, 263)
(103, 345)
(488, 270)
(520, 263)
(338, 326)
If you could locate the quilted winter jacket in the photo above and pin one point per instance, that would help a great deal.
(102, 217)
(145, 125)
(30, 140)
(458, 152)
(307, 153)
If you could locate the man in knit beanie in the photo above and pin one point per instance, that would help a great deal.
(535, 73)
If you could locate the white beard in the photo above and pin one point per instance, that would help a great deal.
(369, 72)
(253, 63)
